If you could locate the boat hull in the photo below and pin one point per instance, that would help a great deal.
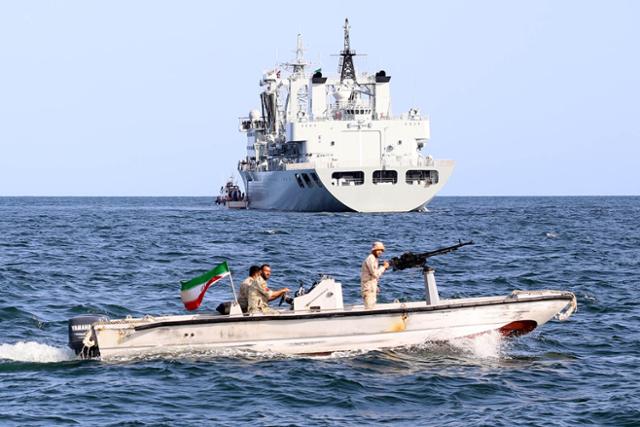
(353, 328)
(240, 204)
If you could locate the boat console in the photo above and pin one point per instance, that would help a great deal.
(326, 294)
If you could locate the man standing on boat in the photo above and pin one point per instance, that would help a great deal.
(370, 273)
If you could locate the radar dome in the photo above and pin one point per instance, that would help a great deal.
(254, 115)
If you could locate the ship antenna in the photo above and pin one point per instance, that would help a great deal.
(297, 66)
(299, 50)
(347, 70)
(347, 46)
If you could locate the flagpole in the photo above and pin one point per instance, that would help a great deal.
(233, 288)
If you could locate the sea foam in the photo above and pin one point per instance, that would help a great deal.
(484, 346)
(31, 351)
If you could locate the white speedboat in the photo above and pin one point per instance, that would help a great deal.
(319, 323)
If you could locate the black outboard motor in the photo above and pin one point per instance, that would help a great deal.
(78, 328)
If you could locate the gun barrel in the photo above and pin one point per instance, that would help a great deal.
(448, 249)
(414, 260)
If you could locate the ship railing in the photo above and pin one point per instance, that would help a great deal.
(298, 166)
(426, 161)
(424, 183)
(385, 180)
(347, 181)
(349, 112)
(337, 112)
(244, 165)
(245, 124)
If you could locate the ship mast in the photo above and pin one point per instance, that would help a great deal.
(297, 66)
(297, 84)
(346, 68)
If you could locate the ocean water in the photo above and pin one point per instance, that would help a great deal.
(61, 257)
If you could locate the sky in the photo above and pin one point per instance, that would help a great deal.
(142, 98)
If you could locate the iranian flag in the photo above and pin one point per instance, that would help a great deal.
(192, 291)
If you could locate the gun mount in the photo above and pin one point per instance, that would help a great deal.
(419, 260)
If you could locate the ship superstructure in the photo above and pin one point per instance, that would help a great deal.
(332, 143)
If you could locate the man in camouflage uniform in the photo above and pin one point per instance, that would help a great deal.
(259, 294)
(369, 275)
(243, 295)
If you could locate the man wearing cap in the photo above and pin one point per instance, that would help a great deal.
(370, 273)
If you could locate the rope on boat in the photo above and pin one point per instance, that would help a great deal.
(568, 310)
(87, 343)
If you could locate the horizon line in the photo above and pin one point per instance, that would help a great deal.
(213, 196)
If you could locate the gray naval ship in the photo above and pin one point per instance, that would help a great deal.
(332, 143)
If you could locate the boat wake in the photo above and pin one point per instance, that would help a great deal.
(489, 345)
(191, 355)
(31, 351)
(484, 346)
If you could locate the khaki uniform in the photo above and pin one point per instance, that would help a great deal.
(262, 283)
(243, 295)
(258, 298)
(369, 275)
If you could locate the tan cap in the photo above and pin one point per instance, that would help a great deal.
(377, 246)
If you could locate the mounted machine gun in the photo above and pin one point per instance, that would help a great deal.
(413, 260)
(419, 260)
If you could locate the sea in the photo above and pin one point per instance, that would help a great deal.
(63, 257)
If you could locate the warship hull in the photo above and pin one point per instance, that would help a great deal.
(315, 190)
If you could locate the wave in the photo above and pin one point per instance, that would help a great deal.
(195, 355)
(274, 231)
(31, 351)
(487, 345)
(483, 346)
